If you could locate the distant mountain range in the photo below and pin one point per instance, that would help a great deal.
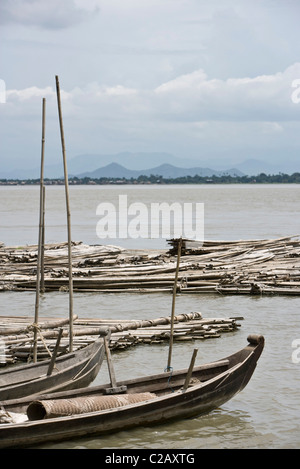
(125, 164)
(115, 170)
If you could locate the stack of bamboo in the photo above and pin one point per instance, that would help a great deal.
(16, 333)
(264, 267)
(247, 266)
(194, 330)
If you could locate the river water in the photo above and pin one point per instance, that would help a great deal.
(266, 414)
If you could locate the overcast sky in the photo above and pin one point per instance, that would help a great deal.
(206, 80)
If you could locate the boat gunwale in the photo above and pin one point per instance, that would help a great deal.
(165, 397)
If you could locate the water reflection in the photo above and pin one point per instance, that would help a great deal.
(221, 428)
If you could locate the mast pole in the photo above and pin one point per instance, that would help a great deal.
(173, 305)
(38, 267)
(68, 216)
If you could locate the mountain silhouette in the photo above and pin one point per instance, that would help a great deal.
(115, 170)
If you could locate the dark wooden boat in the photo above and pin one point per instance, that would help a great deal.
(52, 416)
(71, 371)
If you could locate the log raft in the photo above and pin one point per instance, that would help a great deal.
(16, 333)
(251, 267)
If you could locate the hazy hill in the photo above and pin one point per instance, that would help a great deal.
(253, 167)
(115, 170)
(129, 164)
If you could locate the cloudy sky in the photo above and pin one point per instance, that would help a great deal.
(214, 82)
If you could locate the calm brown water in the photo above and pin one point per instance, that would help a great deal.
(267, 413)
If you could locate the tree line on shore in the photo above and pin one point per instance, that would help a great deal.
(261, 178)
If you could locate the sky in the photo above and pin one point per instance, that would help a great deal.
(211, 82)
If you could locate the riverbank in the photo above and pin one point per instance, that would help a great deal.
(155, 179)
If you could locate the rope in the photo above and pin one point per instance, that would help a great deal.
(169, 368)
(35, 326)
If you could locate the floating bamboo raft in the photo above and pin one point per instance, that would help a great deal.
(16, 333)
(254, 267)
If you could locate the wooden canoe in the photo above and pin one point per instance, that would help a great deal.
(211, 386)
(71, 371)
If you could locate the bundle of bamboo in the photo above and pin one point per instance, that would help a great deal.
(16, 333)
(264, 267)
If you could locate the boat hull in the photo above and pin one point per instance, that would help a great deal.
(220, 382)
(72, 371)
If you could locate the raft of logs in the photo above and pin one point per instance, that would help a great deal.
(253, 267)
(16, 333)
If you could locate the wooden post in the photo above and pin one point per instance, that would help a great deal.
(190, 370)
(111, 370)
(173, 304)
(115, 389)
(38, 267)
(54, 354)
(68, 216)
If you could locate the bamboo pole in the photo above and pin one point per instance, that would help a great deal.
(43, 245)
(25, 328)
(124, 334)
(173, 305)
(68, 216)
(38, 269)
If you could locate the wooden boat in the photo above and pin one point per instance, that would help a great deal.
(146, 401)
(70, 371)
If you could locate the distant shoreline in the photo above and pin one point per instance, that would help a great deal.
(154, 179)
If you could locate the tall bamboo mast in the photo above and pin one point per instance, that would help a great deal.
(173, 305)
(43, 245)
(38, 269)
(68, 216)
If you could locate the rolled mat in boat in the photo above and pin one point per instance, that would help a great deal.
(44, 409)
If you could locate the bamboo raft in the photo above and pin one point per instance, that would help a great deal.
(253, 267)
(16, 333)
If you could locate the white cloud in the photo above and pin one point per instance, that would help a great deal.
(29, 93)
(188, 98)
(194, 96)
(187, 81)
